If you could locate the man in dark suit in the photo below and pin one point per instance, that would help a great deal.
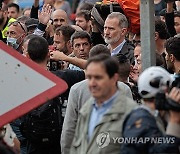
(115, 30)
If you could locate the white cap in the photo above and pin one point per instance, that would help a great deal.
(153, 80)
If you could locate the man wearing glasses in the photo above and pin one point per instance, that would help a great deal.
(16, 34)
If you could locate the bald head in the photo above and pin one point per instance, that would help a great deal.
(59, 18)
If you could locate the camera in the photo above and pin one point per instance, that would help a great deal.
(164, 103)
(55, 65)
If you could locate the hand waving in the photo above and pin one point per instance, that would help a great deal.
(45, 14)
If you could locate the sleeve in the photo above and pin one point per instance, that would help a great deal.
(71, 76)
(40, 30)
(34, 12)
(69, 122)
(169, 18)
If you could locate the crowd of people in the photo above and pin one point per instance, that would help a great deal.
(109, 96)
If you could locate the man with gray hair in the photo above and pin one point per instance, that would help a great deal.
(115, 30)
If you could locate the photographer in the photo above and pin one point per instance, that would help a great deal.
(145, 122)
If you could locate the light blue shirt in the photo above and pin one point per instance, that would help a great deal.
(98, 113)
(118, 48)
(73, 67)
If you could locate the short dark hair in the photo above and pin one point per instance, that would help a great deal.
(99, 49)
(23, 19)
(66, 31)
(173, 46)
(29, 37)
(161, 28)
(38, 49)
(124, 67)
(109, 63)
(80, 34)
(84, 13)
(85, 6)
(14, 5)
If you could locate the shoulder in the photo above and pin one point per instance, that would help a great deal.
(140, 122)
(128, 45)
(70, 75)
(86, 108)
(80, 85)
(125, 89)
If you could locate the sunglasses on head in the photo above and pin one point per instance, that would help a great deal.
(15, 23)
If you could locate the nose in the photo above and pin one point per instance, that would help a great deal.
(81, 47)
(92, 82)
(59, 23)
(135, 67)
(77, 23)
(106, 31)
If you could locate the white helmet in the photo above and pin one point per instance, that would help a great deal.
(153, 80)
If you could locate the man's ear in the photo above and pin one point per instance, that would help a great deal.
(69, 44)
(124, 31)
(116, 77)
(172, 58)
(156, 36)
(5, 13)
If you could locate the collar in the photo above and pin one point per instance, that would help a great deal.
(118, 48)
(152, 112)
(107, 102)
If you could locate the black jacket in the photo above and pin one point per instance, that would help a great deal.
(140, 123)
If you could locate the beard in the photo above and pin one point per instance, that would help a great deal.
(170, 68)
(64, 50)
(112, 40)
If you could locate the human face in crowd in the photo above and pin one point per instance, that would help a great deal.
(112, 31)
(169, 62)
(81, 48)
(137, 51)
(59, 18)
(59, 43)
(81, 22)
(27, 12)
(13, 13)
(137, 68)
(177, 24)
(100, 84)
(16, 31)
(24, 48)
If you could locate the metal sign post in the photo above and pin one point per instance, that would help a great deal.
(147, 33)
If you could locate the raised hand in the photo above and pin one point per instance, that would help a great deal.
(57, 55)
(45, 14)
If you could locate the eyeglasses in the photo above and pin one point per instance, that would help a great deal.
(15, 23)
